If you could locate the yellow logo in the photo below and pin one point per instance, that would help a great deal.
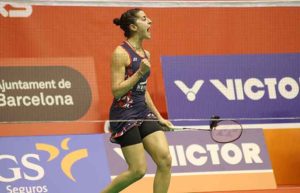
(69, 160)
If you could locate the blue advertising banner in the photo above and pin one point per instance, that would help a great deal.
(196, 158)
(53, 164)
(195, 152)
(260, 87)
(87, 163)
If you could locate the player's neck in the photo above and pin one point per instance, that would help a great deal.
(136, 43)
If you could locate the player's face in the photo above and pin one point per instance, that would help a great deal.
(143, 24)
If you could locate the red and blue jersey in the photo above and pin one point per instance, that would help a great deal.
(130, 109)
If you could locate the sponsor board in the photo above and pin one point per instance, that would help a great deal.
(87, 163)
(34, 90)
(196, 159)
(44, 90)
(262, 87)
(53, 164)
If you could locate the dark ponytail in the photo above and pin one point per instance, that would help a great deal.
(127, 18)
(117, 21)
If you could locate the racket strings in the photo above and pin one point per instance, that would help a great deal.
(226, 131)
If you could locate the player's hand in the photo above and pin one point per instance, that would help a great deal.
(145, 66)
(166, 124)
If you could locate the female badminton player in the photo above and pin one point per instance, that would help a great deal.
(132, 107)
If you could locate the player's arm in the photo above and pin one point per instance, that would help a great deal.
(120, 86)
(152, 107)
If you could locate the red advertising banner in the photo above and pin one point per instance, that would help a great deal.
(89, 31)
(63, 31)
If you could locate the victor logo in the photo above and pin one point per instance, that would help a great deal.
(252, 88)
(212, 154)
(189, 92)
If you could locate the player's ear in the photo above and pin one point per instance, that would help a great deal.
(133, 27)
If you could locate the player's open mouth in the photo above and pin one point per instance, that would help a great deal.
(148, 30)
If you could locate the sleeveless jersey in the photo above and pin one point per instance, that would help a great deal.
(131, 106)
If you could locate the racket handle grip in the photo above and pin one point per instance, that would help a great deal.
(213, 121)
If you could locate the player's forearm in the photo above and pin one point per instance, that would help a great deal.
(151, 105)
(122, 88)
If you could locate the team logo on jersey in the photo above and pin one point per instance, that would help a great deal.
(141, 87)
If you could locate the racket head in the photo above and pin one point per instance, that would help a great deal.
(225, 131)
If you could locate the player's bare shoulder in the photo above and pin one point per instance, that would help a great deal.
(120, 56)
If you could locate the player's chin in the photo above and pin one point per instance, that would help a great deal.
(148, 36)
